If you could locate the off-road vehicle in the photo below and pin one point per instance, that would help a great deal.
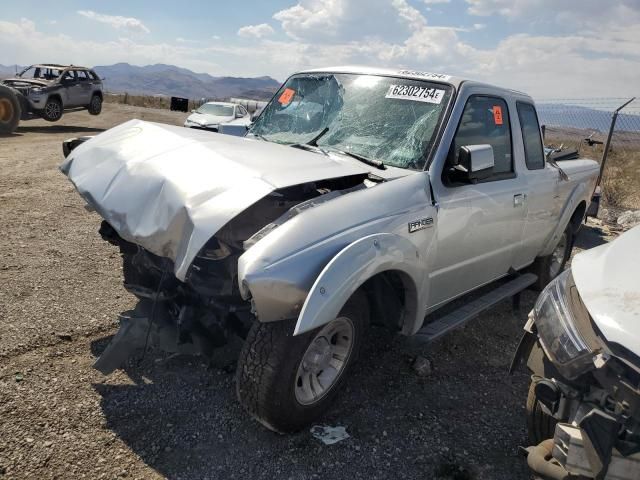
(357, 196)
(46, 91)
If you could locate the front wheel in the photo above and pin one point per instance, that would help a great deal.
(549, 267)
(286, 382)
(52, 111)
(540, 425)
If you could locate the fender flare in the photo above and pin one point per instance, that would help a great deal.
(354, 265)
(578, 194)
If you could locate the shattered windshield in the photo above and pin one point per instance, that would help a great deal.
(216, 109)
(40, 73)
(388, 119)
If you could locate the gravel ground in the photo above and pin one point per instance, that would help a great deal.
(177, 417)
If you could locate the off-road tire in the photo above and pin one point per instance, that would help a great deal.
(540, 425)
(10, 111)
(95, 106)
(52, 111)
(542, 265)
(268, 365)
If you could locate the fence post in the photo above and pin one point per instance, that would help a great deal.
(607, 145)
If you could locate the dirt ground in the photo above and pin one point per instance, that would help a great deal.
(177, 417)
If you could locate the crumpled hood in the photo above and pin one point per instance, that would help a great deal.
(608, 282)
(206, 119)
(27, 81)
(170, 189)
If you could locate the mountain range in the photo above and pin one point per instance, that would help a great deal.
(161, 79)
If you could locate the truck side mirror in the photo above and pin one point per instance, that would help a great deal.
(475, 162)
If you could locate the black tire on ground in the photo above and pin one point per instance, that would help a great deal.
(10, 111)
(267, 373)
(546, 268)
(95, 106)
(540, 425)
(52, 111)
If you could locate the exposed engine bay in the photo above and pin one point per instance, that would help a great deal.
(597, 415)
(198, 315)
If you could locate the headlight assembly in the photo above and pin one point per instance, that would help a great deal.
(555, 319)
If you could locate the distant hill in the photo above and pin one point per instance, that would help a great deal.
(163, 79)
(7, 71)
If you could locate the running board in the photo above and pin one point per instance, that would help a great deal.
(463, 314)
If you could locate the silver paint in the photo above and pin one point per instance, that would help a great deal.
(170, 189)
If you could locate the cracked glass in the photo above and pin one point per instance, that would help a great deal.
(389, 119)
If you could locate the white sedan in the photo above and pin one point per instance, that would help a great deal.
(211, 115)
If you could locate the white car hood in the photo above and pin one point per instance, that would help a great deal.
(205, 119)
(608, 280)
(170, 189)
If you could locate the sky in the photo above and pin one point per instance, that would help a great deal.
(548, 48)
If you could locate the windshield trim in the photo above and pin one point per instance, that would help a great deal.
(437, 139)
(445, 115)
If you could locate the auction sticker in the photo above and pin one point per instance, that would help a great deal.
(287, 96)
(415, 93)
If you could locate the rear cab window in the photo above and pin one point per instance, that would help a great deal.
(485, 120)
(531, 138)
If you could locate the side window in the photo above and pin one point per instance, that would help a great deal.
(69, 76)
(82, 75)
(533, 150)
(485, 120)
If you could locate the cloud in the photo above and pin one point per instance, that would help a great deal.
(338, 21)
(120, 23)
(571, 12)
(595, 60)
(255, 31)
(433, 2)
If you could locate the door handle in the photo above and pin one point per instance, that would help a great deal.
(518, 200)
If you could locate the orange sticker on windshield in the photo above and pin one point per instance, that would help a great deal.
(497, 115)
(287, 96)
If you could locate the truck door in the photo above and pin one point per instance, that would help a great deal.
(479, 225)
(543, 199)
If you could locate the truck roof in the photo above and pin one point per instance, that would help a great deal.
(409, 74)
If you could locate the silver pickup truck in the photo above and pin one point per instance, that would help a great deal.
(357, 196)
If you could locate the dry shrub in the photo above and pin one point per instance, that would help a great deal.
(621, 180)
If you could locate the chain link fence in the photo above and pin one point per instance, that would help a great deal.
(584, 124)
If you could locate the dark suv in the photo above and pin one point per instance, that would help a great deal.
(46, 91)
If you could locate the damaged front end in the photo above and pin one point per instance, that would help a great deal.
(200, 314)
(584, 400)
(182, 211)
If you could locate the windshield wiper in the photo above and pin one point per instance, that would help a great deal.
(257, 135)
(369, 161)
(312, 145)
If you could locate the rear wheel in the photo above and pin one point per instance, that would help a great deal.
(10, 111)
(286, 382)
(549, 267)
(52, 111)
(95, 107)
